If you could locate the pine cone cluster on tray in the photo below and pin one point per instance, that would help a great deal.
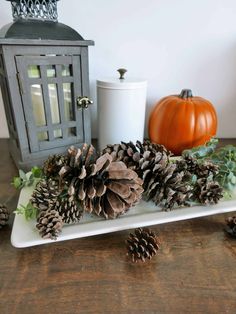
(109, 183)
(141, 245)
(82, 181)
(163, 181)
(4, 215)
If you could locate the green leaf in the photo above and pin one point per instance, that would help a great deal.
(37, 172)
(22, 174)
(17, 182)
(29, 211)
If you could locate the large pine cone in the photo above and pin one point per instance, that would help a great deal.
(4, 215)
(68, 209)
(142, 245)
(106, 188)
(165, 183)
(45, 193)
(49, 224)
(113, 188)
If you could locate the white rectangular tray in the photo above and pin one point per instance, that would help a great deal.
(24, 233)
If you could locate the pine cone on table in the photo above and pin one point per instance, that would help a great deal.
(4, 215)
(49, 224)
(53, 165)
(68, 209)
(45, 193)
(142, 245)
(231, 226)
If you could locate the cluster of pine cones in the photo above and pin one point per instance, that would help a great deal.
(167, 182)
(83, 181)
(110, 183)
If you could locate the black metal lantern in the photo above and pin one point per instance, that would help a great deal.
(44, 82)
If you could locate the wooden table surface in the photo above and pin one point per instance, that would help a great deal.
(195, 271)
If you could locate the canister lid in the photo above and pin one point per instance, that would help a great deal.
(121, 82)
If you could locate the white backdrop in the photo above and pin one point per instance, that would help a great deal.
(174, 44)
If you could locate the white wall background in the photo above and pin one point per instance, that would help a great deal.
(174, 44)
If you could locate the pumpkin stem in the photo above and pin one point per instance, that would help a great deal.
(186, 93)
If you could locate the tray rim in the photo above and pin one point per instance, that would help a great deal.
(130, 220)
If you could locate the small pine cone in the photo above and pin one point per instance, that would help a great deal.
(142, 245)
(49, 224)
(152, 147)
(53, 165)
(231, 226)
(189, 163)
(208, 192)
(207, 169)
(45, 193)
(4, 215)
(68, 209)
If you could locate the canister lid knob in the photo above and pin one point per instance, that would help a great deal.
(122, 73)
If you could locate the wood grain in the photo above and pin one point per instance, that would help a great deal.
(193, 273)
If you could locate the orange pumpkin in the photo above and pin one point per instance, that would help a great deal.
(182, 121)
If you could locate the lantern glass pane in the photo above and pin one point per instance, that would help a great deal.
(51, 71)
(33, 71)
(69, 108)
(71, 132)
(57, 133)
(38, 105)
(53, 98)
(43, 136)
(66, 70)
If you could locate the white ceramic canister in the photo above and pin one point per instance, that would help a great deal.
(121, 104)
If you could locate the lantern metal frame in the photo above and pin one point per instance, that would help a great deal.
(40, 49)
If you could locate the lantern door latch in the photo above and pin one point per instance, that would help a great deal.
(83, 102)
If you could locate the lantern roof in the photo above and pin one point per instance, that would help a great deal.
(37, 20)
(38, 29)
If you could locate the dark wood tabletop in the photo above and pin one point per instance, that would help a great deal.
(194, 272)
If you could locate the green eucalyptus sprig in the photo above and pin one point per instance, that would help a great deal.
(224, 157)
(203, 151)
(29, 211)
(28, 178)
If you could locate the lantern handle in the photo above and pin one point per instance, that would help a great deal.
(83, 102)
